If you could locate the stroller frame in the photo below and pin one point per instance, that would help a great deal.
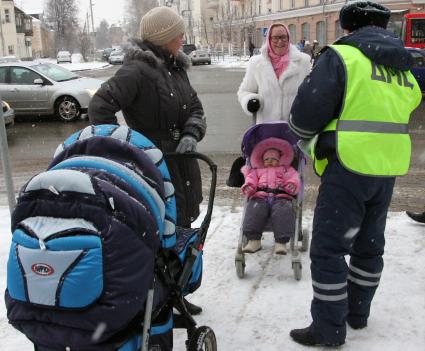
(198, 337)
(300, 235)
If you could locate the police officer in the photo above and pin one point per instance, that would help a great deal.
(354, 107)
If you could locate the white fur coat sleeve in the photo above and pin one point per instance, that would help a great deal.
(249, 88)
(275, 95)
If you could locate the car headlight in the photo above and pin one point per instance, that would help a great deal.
(5, 104)
(91, 92)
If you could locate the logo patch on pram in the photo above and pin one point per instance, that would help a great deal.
(42, 269)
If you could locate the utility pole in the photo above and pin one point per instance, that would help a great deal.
(91, 11)
(88, 24)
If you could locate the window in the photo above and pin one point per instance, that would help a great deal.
(321, 33)
(338, 30)
(11, 50)
(292, 4)
(23, 76)
(306, 4)
(293, 33)
(418, 30)
(6, 16)
(305, 31)
(3, 75)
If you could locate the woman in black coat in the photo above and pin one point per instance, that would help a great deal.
(153, 92)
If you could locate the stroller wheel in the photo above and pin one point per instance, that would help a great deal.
(305, 240)
(240, 268)
(296, 266)
(202, 339)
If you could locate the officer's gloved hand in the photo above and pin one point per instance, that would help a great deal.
(187, 144)
(253, 105)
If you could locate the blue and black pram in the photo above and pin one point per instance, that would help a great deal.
(96, 261)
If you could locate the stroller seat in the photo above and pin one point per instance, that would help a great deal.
(253, 136)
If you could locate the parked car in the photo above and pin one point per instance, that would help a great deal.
(200, 56)
(418, 69)
(8, 114)
(106, 53)
(63, 56)
(116, 56)
(36, 88)
(5, 59)
(188, 48)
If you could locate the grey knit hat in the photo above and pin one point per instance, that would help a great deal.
(161, 25)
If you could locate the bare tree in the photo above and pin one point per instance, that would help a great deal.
(135, 11)
(85, 44)
(62, 16)
(103, 39)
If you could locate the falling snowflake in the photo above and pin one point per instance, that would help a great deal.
(99, 331)
(351, 233)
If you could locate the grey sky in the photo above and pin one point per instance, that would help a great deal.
(111, 10)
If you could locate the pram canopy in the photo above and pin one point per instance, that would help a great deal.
(259, 132)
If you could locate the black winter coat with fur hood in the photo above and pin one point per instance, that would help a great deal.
(153, 92)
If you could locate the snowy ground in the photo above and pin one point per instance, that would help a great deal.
(257, 313)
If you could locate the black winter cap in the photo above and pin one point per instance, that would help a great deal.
(363, 13)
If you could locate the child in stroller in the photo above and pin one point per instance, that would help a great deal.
(299, 238)
(270, 185)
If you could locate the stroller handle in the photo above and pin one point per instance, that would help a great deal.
(213, 168)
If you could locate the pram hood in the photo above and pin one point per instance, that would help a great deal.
(259, 132)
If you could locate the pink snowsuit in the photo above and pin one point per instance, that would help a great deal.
(263, 181)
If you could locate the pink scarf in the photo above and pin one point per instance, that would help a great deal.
(279, 62)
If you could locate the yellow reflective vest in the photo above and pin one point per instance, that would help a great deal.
(372, 129)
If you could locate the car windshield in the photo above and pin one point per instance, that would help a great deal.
(55, 72)
(116, 53)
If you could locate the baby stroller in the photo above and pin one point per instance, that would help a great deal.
(96, 262)
(252, 137)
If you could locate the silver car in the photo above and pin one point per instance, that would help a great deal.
(116, 56)
(34, 88)
(200, 56)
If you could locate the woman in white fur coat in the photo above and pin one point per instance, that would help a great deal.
(272, 78)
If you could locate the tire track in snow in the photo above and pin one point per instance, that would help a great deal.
(264, 265)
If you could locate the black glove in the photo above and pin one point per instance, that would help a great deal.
(253, 105)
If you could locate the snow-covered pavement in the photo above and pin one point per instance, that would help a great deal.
(258, 312)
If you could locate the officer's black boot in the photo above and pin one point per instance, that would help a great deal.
(306, 337)
(356, 322)
(418, 217)
(191, 308)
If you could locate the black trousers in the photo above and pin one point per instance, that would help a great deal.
(349, 219)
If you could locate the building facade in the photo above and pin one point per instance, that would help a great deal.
(237, 22)
(15, 31)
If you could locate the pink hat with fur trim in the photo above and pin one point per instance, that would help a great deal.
(279, 145)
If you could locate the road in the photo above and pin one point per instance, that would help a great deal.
(32, 141)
